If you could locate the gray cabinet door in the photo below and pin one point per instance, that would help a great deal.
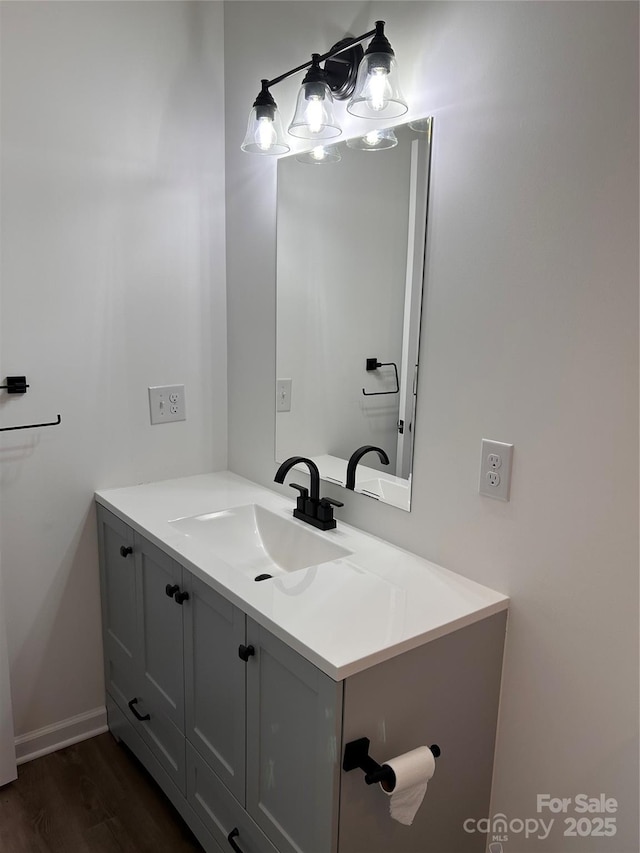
(160, 624)
(294, 715)
(160, 692)
(118, 599)
(215, 683)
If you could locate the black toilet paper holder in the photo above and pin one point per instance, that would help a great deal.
(356, 755)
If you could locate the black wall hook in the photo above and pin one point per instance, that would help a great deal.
(356, 755)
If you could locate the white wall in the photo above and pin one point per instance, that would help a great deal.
(531, 337)
(112, 280)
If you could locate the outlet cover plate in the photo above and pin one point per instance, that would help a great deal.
(495, 469)
(167, 404)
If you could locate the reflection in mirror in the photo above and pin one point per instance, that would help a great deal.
(350, 267)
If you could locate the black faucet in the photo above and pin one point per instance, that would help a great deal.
(356, 456)
(310, 507)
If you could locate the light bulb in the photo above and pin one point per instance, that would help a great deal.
(319, 156)
(375, 140)
(373, 137)
(265, 133)
(314, 114)
(377, 88)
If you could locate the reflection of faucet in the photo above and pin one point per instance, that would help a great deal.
(356, 456)
(309, 507)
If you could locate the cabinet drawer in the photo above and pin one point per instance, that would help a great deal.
(164, 739)
(120, 727)
(121, 681)
(219, 811)
(124, 731)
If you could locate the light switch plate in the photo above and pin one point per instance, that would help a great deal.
(166, 403)
(283, 395)
(495, 469)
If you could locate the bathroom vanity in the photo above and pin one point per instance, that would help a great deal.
(239, 695)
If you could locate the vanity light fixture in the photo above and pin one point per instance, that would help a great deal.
(371, 77)
(375, 140)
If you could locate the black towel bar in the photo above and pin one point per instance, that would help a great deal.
(374, 364)
(19, 385)
(33, 426)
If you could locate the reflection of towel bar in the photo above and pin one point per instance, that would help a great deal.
(32, 426)
(374, 364)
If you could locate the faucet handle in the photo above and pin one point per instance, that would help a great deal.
(304, 491)
(330, 502)
(302, 497)
(325, 509)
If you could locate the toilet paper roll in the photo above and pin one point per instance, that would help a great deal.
(412, 771)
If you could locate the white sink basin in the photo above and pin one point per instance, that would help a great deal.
(256, 541)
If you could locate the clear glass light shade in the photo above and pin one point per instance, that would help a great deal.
(377, 93)
(320, 156)
(314, 117)
(375, 140)
(265, 134)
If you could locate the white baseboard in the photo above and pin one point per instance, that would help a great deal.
(57, 736)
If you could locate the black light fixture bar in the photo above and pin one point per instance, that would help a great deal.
(338, 48)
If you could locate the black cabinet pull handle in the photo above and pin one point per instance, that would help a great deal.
(125, 550)
(181, 596)
(234, 834)
(142, 717)
(245, 652)
(171, 590)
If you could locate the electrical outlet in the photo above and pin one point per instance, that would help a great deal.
(283, 395)
(166, 404)
(495, 469)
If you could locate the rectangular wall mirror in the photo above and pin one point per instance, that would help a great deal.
(350, 273)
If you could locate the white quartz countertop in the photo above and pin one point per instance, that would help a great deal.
(344, 616)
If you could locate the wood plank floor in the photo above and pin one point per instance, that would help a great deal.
(93, 797)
